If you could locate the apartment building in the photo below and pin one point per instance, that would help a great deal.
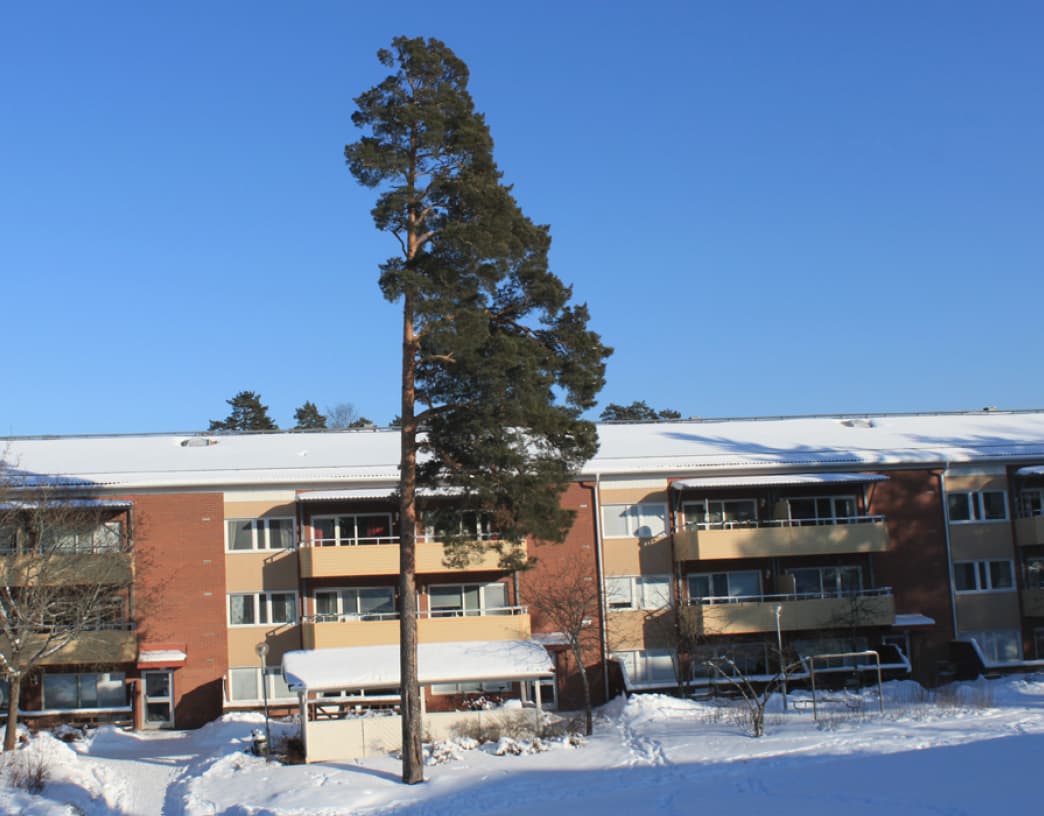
(918, 536)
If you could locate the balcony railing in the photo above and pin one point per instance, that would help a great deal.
(422, 613)
(773, 538)
(368, 541)
(876, 592)
(433, 626)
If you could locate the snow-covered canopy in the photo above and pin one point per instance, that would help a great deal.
(1037, 470)
(363, 667)
(766, 479)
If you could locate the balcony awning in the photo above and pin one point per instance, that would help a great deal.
(76, 504)
(1033, 470)
(787, 479)
(913, 619)
(161, 656)
(366, 667)
(369, 493)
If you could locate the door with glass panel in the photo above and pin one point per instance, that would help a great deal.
(159, 698)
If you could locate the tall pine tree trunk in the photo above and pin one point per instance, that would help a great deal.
(412, 731)
(14, 693)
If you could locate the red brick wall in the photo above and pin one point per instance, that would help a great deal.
(180, 593)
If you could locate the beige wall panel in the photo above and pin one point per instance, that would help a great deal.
(250, 571)
(816, 613)
(90, 647)
(1029, 532)
(242, 641)
(270, 495)
(260, 509)
(383, 559)
(640, 629)
(772, 542)
(987, 540)
(628, 556)
(429, 630)
(1033, 603)
(976, 481)
(634, 495)
(988, 610)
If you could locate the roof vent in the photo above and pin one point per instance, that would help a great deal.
(858, 422)
(197, 442)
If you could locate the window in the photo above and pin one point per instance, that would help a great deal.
(87, 690)
(355, 603)
(647, 667)
(259, 534)
(982, 505)
(492, 686)
(828, 582)
(348, 530)
(638, 592)
(244, 684)
(721, 514)
(724, 587)
(107, 537)
(456, 600)
(822, 509)
(254, 608)
(997, 646)
(644, 520)
(1035, 572)
(470, 525)
(1031, 503)
(983, 576)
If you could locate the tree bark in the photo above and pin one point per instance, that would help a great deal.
(412, 731)
(13, 695)
(586, 684)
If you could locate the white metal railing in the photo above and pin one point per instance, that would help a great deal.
(877, 592)
(350, 617)
(751, 524)
(369, 541)
(473, 613)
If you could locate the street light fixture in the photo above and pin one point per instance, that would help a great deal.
(262, 653)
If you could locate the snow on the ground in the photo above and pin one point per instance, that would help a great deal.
(967, 749)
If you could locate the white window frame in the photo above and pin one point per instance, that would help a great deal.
(640, 670)
(260, 530)
(484, 687)
(692, 510)
(982, 570)
(1031, 502)
(643, 520)
(271, 675)
(111, 678)
(463, 611)
(834, 516)
(351, 538)
(728, 597)
(261, 604)
(637, 592)
(356, 614)
(975, 506)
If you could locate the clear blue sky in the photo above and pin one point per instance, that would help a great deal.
(771, 208)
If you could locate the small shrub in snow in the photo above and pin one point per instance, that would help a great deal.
(67, 733)
(26, 769)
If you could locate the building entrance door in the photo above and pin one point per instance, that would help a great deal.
(159, 699)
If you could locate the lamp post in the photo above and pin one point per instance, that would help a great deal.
(779, 645)
(262, 653)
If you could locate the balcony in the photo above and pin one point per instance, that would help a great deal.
(116, 643)
(1029, 531)
(775, 538)
(757, 613)
(58, 569)
(321, 560)
(507, 623)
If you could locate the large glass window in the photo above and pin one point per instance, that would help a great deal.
(107, 537)
(981, 505)
(830, 582)
(983, 576)
(822, 509)
(244, 684)
(357, 528)
(997, 646)
(638, 592)
(86, 690)
(355, 603)
(259, 534)
(252, 608)
(648, 667)
(1035, 572)
(455, 600)
(643, 520)
(1031, 502)
(724, 587)
(721, 514)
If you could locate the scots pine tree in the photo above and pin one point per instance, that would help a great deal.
(308, 418)
(248, 414)
(498, 363)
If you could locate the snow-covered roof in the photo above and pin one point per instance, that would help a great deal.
(1037, 470)
(368, 459)
(912, 619)
(363, 667)
(765, 479)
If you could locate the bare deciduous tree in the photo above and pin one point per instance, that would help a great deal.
(569, 601)
(65, 577)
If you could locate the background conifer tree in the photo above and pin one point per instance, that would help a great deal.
(497, 363)
(308, 418)
(248, 414)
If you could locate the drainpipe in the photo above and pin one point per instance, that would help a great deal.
(949, 554)
(601, 581)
